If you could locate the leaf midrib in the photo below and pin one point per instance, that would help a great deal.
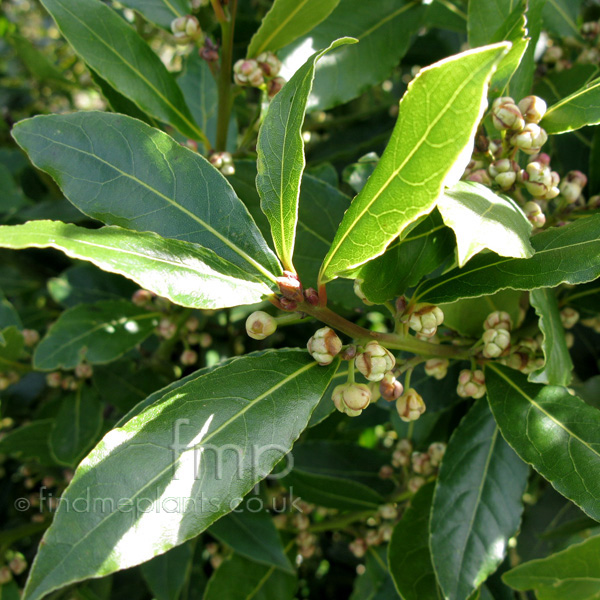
(572, 97)
(291, 15)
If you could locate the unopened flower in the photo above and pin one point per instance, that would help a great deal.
(358, 547)
(388, 511)
(166, 328)
(274, 86)
(506, 115)
(421, 463)
(248, 72)
(532, 108)
(324, 345)
(569, 317)
(436, 452)
(496, 341)
(260, 325)
(416, 483)
(375, 361)
(390, 388)
(499, 319)
(531, 139)
(386, 471)
(142, 297)
(534, 213)
(84, 370)
(54, 379)
(31, 337)
(480, 176)
(437, 367)
(269, 63)
(425, 319)
(223, 161)
(471, 384)
(351, 398)
(18, 564)
(572, 186)
(538, 179)
(410, 405)
(186, 29)
(188, 358)
(504, 172)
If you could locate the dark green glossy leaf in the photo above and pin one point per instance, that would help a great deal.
(238, 578)
(407, 260)
(12, 347)
(9, 317)
(177, 456)
(155, 263)
(482, 219)
(30, 442)
(569, 254)
(485, 17)
(121, 57)
(573, 573)
(281, 161)
(286, 21)
(409, 556)
(431, 143)
(161, 186)
(444, 14)
(384, 31)
(556, 85)
(578, 110)
(558, 367)
(166, 574)
(555, 432)
(76, 426)
(477, 504)
(375, 583)
(160, 12)
(96, 333)
(561, 16)
(250, 532)
(585, 298)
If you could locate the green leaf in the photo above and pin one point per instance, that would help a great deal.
(168, 473)
(30, 442)
(477, 504)
(161, 186)
(97, 333)
(281, 161)
(561, 16)
(594, 170)
(482, 219)
(76, 426)
(555, 432)
(12, 348)
(250, 532)
(558, 367)
(556, 85)
(569, 254)
(286, 21)
(431, 143)
(12, 198)
(444, 14)
(484, 17)
(407, 260)
(8, 315)
(166, 574)
(121, 57)
(573, 573)
(384, 30)
(155, 263)
(409, 556)
(578, 110)
(238, 578)
(160, 12)
(375, 582)
(584, 297)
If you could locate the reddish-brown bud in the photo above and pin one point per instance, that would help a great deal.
(311, 296)
(290, 287)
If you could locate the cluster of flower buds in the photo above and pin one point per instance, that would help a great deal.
(534, 213)
(437, 367)
(495, 342)
(31, 337)
(166, 328)
(222, 161)
(421, 463)
(260, 325)
(324, 345)
(503, 173)
(307, 543)
(196, 4)
(590, 30)
(256, 72)
(374, 361)
(402, 453)
(425, 319)
(410, 405)
(572, 186)
(436, 453)
(84, 370)
(390, 388)
(569, 317)
(187, 29)
(351, 398)
(539, 180)
(499, 319)
(471, 384)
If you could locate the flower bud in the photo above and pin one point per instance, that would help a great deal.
(31, 337)
(388, 511)
(358, 291)
(534, 213)
(18, 564)
(572, 186)
(248, 72)
(142, 297)
(210, 51)
(84, 370)
(594, 202)
(386, 472)
(188, 358)
(166, 328)
(590, 30)
(390, 388)
(480, 176)
(416, 483)
(311, 296)
(552, 55)
(569, 317)
(425, 319)
(290, 287)
(532, 108)
(436, 452)
(196, 4)
(537, 179)
(401, 455)
(375, 361)
(471, 384)
(358, 547)
(274, 86)
(531, 139)
(437, 367)
(54, 380)
(269, 64)
(186, 29)
(222, 161)
(351, 398)
(410, 405)
(506, 115)
(421, 463)
(569, 339)
(499, 319)
(5, 575)
(324, 345)
(260, 325)
(496, 341)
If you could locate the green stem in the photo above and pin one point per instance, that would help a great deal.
(341, 522)
(225, 100)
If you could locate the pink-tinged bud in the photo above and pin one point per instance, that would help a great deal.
(54, 380)
(534, 213)
(569, 317)
(437, 367)
(416, 483)
(531, 139)
(142, 297)
(311, 296)
(386, 472)
(358, 291)
(480, 176)
(290, 287)
(18, 564)
(499, 319)
(471, 384)
(496, 341)
(572, 185)
(84, 370)
(410, 405)
(375, 361)
(246, 69)
(390, 388)
(401, 304)
(260, 325)
(31, 337)
(287, 304)
(532, 108)
(192, 324)
(351, 398)
(349, 353)
(324, 345)
(186, 29)
(210, 51)
(269, 64)
(188, 358)
(274, 86)
(421, 463)
(166, 328)
(425, 319)
(436, 452)
(506, 115)
(358, 547)
(5, 575)
(402, 453)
